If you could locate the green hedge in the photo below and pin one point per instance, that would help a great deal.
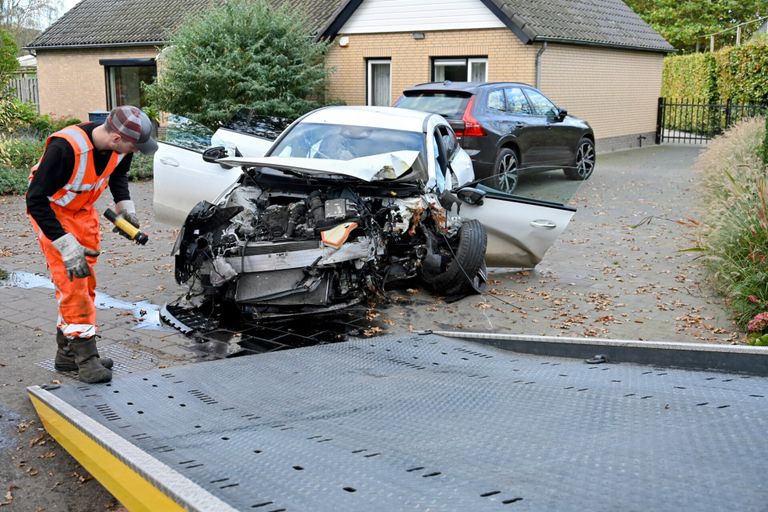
(742, 73)
(21, 152)
(13, 181)
(141, 167)
(690, 76)
(737, 73)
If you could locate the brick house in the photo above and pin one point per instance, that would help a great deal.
(595, 57)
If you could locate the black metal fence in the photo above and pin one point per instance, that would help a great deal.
(693, 121)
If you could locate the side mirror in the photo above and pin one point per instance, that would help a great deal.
(561, 113)
(213, 154)
(471, 195)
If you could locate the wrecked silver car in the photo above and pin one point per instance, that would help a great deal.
(346, 203)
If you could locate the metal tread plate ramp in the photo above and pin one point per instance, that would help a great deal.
(419, 422)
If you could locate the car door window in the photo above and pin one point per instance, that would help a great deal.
(185, 133)
(496, 100)
(517, 103)
(540, 104)
(450, 143)
(440, 156)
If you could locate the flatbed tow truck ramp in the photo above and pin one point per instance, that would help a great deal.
(419, 422)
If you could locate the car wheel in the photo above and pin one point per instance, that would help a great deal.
(585, 161)
(466, 271)
(505, 170)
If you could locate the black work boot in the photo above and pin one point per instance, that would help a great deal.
(89, 367)
(65, 358)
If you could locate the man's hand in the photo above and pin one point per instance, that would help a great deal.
(73, 254)
(126, 210)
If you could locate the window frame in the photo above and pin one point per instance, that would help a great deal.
(111, 64)
(369, 63)
(465, 61)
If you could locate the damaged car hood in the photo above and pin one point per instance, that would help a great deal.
(383, 166)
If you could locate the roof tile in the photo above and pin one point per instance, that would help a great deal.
(147, 22)
(590, 22)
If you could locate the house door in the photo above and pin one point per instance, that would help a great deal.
(379, 82)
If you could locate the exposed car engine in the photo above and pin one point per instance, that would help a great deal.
(281, 247)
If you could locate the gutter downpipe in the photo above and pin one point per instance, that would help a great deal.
(538, 64)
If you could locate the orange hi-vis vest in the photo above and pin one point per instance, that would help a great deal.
(84, 186)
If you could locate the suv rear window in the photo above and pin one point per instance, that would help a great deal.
(447, 104)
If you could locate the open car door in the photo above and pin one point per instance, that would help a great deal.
(520, 230)
(182, 178)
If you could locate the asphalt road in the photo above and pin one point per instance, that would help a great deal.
(617, 272)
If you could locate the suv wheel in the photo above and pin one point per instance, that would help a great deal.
(505, 170)
(585, 161)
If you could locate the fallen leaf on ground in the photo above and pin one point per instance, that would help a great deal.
(372, 331)
(82, 478)
(40, 439)
(8, 496)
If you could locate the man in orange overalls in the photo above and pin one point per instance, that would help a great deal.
(79, 162)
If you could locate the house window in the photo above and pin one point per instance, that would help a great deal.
(460, 69)
(379, 82)
(124, 78)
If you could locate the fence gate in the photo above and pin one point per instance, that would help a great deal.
(693, 121)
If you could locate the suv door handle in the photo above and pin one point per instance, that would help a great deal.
(169, 161)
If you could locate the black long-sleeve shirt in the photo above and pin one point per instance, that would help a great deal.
(55, 171)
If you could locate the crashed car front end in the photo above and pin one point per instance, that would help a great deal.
(277, 245)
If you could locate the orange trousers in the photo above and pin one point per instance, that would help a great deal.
(76, 298)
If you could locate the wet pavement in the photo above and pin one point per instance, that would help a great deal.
(617, 272)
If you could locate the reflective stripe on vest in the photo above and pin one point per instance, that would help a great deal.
(75, 189)
(76, 183)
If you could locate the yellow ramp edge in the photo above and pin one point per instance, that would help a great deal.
(139, 481)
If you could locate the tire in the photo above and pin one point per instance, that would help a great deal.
(505, 170)
(466, 272)
(585, 161)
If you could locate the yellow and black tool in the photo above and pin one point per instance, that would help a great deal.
(126, 227)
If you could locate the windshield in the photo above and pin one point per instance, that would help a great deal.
(447, 104)
(344, 142)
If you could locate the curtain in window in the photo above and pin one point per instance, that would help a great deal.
(477, 72)
(381, 94)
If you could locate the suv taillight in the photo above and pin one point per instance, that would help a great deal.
(472, 126)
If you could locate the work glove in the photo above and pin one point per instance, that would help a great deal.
(126, 210)
(73, 254)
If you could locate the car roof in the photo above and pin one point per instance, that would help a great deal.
(376, 117)
(471, 87)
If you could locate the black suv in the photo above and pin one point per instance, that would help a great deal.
(508, 129)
